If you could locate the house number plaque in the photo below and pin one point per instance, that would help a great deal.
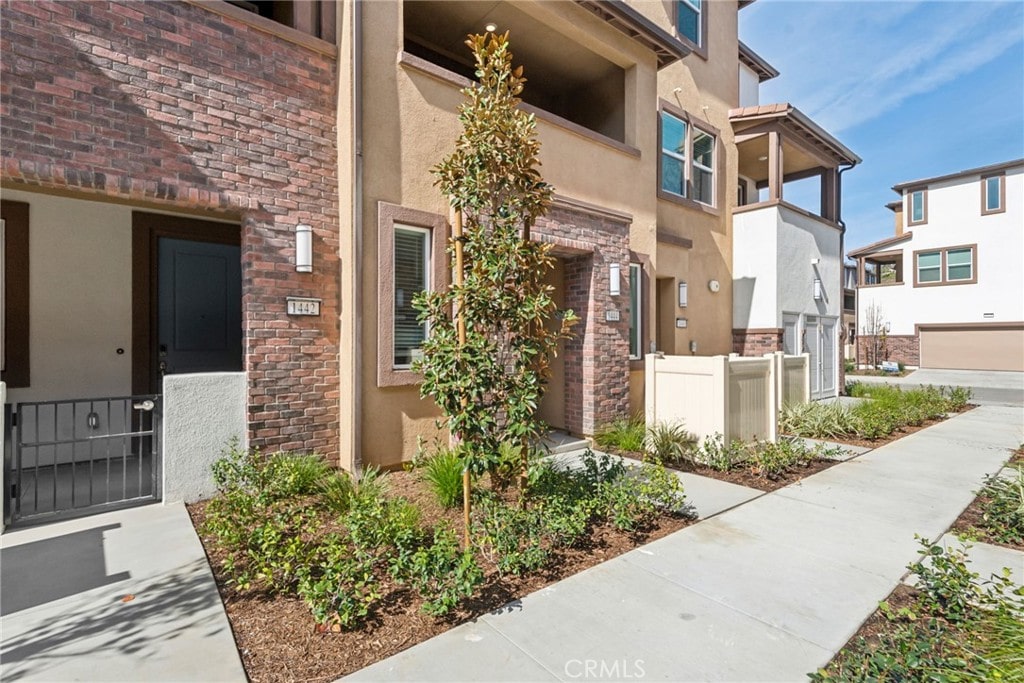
(297, 306)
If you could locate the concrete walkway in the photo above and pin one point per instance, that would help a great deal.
(64, 619)
(767, 591)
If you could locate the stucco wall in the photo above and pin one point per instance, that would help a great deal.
(202, 413)
(80, 296)
(954, 218)
(421, 128)
(773, 270)
(749, 87)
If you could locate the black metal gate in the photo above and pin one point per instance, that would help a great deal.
(83, 456)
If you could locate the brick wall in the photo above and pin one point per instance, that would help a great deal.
(904, 349)
(167, 104)
(756, 342)
(597, 356)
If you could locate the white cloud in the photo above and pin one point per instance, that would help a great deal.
(850, 62)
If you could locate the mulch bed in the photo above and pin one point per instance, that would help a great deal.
(277, 638)
(742, 475)
(971, 521)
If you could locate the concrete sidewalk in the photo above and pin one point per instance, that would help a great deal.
(766, 591)
(63, 617)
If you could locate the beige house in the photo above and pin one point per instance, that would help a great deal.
(254, 208)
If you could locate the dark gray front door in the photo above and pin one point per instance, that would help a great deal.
(200, 307)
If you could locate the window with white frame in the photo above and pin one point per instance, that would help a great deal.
(635, 312)
(918, 207)
(959, 264)
(929, 266)
(688, 20)
(687, 160)
(412, 275)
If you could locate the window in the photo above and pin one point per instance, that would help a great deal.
(687, 160)
(673, 154)
(410, 259)
(14, 281)
(689, 21)
(959, 264)
(918, 207)
(993, 194)
(929, 266)
(949, 266)
(635, 316)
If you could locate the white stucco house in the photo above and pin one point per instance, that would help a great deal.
(946, 291)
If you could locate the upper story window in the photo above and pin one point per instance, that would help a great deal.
(690, 21)
(993, 194)
(918, 207)
(949, 266)
(687, 160)
(315, 17)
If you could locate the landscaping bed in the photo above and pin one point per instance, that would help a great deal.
(952, 626)
(300, 611)
(889, 413)
(759, 465)
(997, 514)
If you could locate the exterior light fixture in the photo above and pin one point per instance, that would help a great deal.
(491, 27)
(818, 293)
(682, 295)
(615, 277)
(303, 248)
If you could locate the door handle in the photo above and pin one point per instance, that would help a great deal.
(163, 368)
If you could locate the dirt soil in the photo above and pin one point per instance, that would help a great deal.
(744, 476)
(971, 523)
(278, 639)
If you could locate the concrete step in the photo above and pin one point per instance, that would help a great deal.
(558, 441)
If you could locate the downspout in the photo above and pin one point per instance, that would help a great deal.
(357, 229)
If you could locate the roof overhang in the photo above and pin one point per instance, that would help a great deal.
(869, 249)
(981, 170)
(746, 119)
(638, 27)
(757, 64)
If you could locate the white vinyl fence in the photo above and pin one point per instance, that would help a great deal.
(737, 397)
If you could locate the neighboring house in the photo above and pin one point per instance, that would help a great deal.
(244, 188)
(850, 311)
(945, 291)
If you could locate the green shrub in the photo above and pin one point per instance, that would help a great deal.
(669, 443)
(858, 389)
(957, 398)
(438, 571)
(633, 501)
(817, 420)
(510, 535)
(849, 366)
(1002, 500)
(443, 474)
(714, 453)
(623, 434)
(772, 460)
(339, 586)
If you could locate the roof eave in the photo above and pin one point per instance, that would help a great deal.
(869, 249)
(764, 70)
(635, 25)
(981, 170)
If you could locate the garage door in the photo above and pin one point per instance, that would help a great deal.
(983, 347)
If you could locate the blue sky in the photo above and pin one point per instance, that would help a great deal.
(916, 89)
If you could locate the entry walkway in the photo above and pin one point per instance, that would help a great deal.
(121, 596)
(766, 591)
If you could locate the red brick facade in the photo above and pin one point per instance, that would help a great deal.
(756, 342)
(169, 105)
(898, 348)
(597, 357)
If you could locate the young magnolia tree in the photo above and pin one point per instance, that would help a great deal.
(489, 386)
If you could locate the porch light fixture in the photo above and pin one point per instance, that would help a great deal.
(615, 277)
(818, 293)
(491, 28)
(682, 295)
(303, 248)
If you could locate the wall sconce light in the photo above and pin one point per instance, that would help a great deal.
(818, 293)
(682, 295)
(303, 248)
(615, 278)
